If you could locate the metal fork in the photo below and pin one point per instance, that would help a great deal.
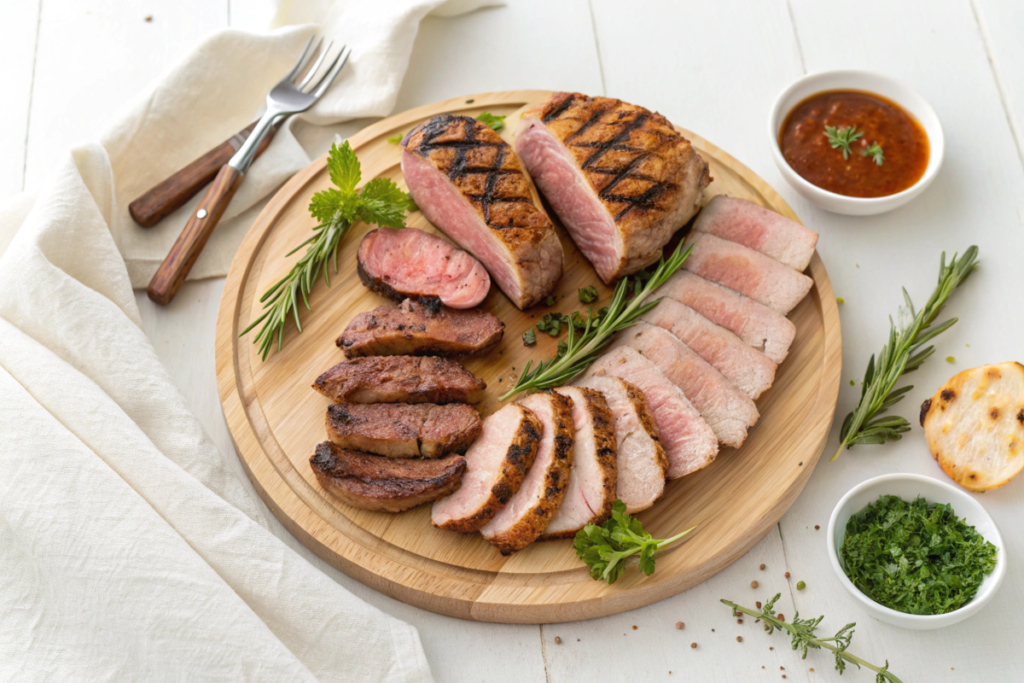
(284, 100)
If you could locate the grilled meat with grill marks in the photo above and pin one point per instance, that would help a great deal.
(373, 482)
(619, 176)
(418, 328)
(469, 183)
(403, 430)
(400, 379)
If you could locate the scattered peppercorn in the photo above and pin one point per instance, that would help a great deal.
(758, 603)
(816, 527)
(771, 648)
(693, 645)
(739, 621)
(787, 575)
(558, 641)
(680, 625)
(812, 669)
(800, 585)
(753, 584)
(149, 17)
(762, 567)
(780, 617)
(634, 627)
(739, 639)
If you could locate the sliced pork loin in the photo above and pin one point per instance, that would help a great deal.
(686, 437)
(496, 464)
(527, 514)
(748, 369)
(373, 482)
(409, 262)
(400, 379)
(591, 491)
(641, 463)
(403, 430)
(417, 328)
(766, 330)
(620, 177)
(727, 410)
(469, 183)
(748, 272)
(761, 229)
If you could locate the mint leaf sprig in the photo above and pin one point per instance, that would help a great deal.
(380, 202)
(804, 638)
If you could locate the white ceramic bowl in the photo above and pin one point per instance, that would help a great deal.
(899, 93)
(908, 487)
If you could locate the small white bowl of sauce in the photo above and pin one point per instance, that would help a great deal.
(855, 142)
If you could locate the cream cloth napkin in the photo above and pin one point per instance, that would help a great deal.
(128, 549)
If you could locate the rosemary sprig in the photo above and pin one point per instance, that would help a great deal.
(380, 202)
(581, 349)
(802, 631)
(900, 355)
(842, 138)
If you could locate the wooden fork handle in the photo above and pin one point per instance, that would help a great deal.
(175, 268)
(171, 194)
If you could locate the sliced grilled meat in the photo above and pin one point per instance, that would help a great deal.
(528, 513)
(496, 464)
(409, 262)
(400, 379)
(469, 183)
(591, 490)
(620, 177)
(373, 482)
(403, 430)
(416, 328)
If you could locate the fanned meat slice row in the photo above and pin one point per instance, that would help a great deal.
(758, 228)
(403, 430)
(400, 379)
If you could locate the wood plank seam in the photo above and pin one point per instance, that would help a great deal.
(997, 75)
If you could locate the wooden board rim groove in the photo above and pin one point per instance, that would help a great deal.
(464, 592)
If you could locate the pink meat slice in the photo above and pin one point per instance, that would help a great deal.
(728, 411)
(748, 369)
(688, 440)
(764, 329)
(411, 262)
(748, 272)
(761, 229)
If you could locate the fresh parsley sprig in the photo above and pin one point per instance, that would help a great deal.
(874, 150)
(582, 349)
(605, 548)
(900, 355)
(380, 202)
(842, 138)
(493, 120)
(802, 631)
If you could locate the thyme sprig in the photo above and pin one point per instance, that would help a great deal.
(581, 349)
(804, 638)
(842, 138)
(900, 355)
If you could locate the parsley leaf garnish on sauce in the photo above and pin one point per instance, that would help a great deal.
(842, 138)
(494, 121)
(874, 151)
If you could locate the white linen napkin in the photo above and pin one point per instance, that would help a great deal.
(128, 549)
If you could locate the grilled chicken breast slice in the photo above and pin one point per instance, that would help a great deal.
(525, 517)
(469, 183)
(418, 328)
(403, 430)
(621, 178)
(641, 463)
(758, 228)
(373, 482)
(496, 464)
(591, 490)
(400, 379)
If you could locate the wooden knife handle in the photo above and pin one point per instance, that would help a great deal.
(171, 194)
(172, 272)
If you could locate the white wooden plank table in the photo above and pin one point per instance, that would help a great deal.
(714, 68)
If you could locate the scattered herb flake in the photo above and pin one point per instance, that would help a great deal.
(549, 300)
(494, 121)
(842, 138)
(395, 139)
(950, 359)
(588, 295)
(840, 300)
(529, 337)
(550, 323)
(470, 101)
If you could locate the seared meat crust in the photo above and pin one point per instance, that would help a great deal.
(403, 430)
(400, 379)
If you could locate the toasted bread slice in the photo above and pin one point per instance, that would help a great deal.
(975, 425)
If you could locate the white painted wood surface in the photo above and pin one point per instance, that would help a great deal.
(70, 66)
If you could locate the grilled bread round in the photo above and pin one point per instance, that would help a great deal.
(975, 425)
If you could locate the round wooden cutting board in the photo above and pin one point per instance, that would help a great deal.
(276, 418)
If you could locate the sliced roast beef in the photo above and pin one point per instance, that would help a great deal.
(496, 464)
(688, 440)
(620, 177)
(759, 326)
(469, 183)
(529, 511)
(748, 369)
(591, 490)
(761, 229)
(727, 410)
(641, 463)
(418, 328)
(403, 430)
(400, 379)
(748, 272)
(373, 482)
(409, 262)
